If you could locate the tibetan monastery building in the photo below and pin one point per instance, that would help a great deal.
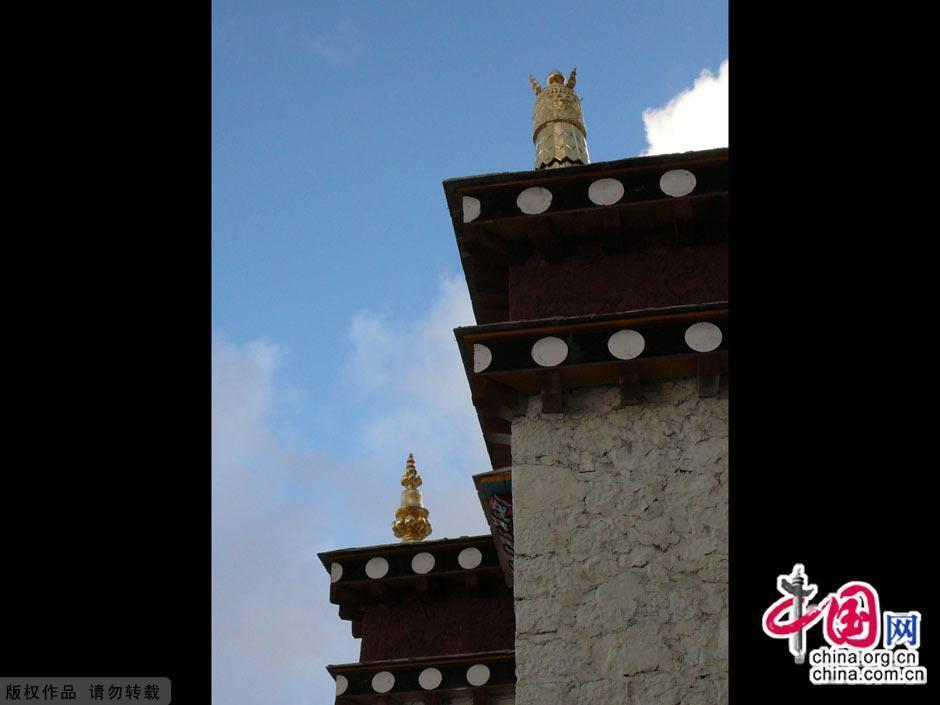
(598, 371)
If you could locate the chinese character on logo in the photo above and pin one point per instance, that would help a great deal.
(902, 628)
(854, 618)
(796, 592)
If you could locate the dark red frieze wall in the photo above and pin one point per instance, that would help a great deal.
(595, 282)
(440, 628)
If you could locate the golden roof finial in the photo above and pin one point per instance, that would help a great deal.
(536, 86)
(411, 518)
(558, 124)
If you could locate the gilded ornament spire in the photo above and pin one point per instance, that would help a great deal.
(411, 518)
(557, 123)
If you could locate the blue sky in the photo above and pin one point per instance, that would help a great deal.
(336, 281)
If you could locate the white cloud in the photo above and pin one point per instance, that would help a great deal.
(341, 44)
(697, 118)
(412, 376)
(273, 629)
(274, 507)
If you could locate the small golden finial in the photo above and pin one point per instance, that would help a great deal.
(411, 518)
(558, 123)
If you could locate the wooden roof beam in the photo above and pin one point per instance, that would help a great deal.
(500, 456)
(708, 374)
(629, 382)
(683, 221)
(489, 394)
(551, 392)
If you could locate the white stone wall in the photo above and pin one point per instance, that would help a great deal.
(621, 539)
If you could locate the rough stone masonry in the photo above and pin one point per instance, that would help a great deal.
(621, 537)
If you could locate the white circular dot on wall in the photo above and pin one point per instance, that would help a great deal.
(470, 558)
(703, 337)
(677, 182)
(341, 684)
(482, 357)
(336, 572)
(471, 208)
(430, 678)
(422, 563)
(605, 192)
(377, 567)
(550, 351)
(534, 200)
(382, 682)
(626, 344)
(478, 674)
